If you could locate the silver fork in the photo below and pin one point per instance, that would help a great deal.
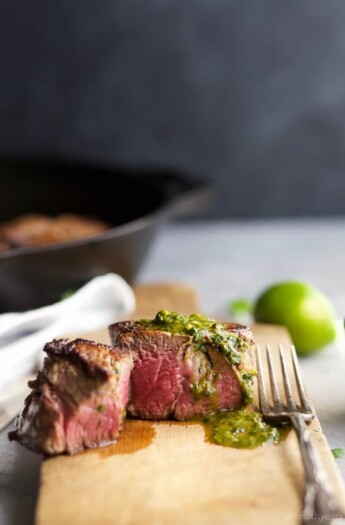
(320, 505)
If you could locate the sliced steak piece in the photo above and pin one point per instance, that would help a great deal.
(78, 400)
(174, 377)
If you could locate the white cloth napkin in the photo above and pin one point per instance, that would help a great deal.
(103, 300)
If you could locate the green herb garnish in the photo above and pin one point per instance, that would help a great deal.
(338, 452)
(101, 408)
(240, 307)
(67, 294)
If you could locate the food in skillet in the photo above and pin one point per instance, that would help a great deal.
(36, 230)
(77, 401)
(4, 246)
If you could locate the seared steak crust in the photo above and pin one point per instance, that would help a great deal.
(96, 360)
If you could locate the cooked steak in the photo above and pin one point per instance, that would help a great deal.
(186, 366)
(27, 230)
(4, 246)
(78, 400)
(35, 229)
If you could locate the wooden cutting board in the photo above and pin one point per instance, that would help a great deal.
(167, 473)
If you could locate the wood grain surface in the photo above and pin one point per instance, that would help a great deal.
(168, 473)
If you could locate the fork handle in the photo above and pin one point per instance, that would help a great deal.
(319, 505)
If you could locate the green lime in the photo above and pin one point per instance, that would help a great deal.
(303, 309)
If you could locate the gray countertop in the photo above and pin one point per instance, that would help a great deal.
(224, 261)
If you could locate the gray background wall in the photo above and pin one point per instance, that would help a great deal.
(248, 92)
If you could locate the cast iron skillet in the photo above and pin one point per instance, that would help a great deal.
(134, 202)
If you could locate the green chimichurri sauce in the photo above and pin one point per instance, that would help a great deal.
(203, 331)
(206, 332)
(243, 429)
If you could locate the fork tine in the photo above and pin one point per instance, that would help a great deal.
(265, 408)
(287, 385)
(274, 388)
(304, 401)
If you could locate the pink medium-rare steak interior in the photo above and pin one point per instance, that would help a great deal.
(78, 400)
(228, 390)
(167, 368)
(156, 379)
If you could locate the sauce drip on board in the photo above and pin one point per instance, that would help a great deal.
(243, 429)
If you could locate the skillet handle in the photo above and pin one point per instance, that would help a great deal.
(182, 195)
